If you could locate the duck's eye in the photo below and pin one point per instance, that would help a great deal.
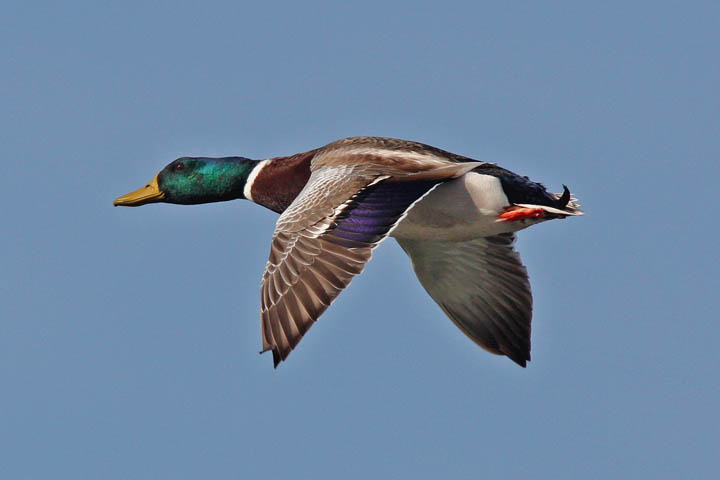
(179, 167)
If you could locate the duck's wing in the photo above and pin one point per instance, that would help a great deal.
(321, 242)
(482, 286)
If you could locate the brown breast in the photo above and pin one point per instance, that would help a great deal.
(281, 179)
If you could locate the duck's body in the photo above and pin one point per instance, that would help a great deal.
(453, 216)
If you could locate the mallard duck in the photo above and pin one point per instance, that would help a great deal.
(455, 217)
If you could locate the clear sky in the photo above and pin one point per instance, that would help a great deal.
(129, 337)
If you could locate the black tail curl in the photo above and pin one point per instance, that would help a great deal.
(564, 198)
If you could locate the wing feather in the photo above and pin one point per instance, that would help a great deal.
(482, 286)
(319, 247)
(358, 190)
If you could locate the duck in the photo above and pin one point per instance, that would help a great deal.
(454, 216)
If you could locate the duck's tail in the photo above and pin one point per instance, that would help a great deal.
(567, 205)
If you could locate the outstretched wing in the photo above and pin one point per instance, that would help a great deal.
(482, 286)
(321, 242)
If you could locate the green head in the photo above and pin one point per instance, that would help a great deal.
(192, 180)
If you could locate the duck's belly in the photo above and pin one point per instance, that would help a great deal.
(459, 210)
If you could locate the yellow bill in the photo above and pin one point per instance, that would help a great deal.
(150, 193)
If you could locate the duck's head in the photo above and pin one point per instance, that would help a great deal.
(193, 180)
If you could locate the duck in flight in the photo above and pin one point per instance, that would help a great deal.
(455, 217)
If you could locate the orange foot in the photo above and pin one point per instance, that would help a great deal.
(513, 214)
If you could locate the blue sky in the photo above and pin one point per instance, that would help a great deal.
(129, 337)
